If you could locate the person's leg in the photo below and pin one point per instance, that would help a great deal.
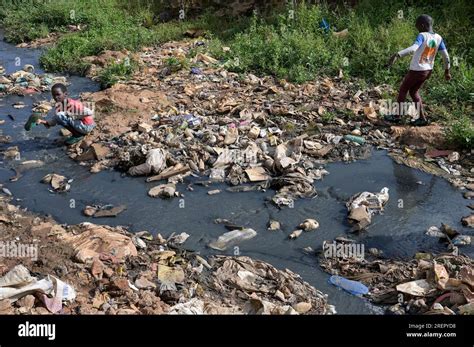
(82, 128)
(67, 123)
(407, 83)
(73, 131)
(415, 92)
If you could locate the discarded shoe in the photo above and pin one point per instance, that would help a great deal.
(31, 122)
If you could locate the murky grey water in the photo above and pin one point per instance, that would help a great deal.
(399, 232)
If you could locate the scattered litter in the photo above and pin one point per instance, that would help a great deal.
(98, 211)
(232, 237)
(363, 205)
(58, 183)
(309, 224)
(295, 234)
(353, 287)
(274, 225)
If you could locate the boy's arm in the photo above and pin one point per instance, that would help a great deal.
(410, 50)
(447, 65)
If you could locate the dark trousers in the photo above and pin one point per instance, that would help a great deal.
(412, 84)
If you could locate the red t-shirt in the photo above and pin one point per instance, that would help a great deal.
(75, 107)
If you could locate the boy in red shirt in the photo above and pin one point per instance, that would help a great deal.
(69, 113)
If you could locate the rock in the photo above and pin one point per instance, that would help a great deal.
(87, 155)
(6, 307)
(360, 216)
(274, 225)
(64, 132)
(468, 221)
(120, 284)
(110, 212)
(430, 135)
(295, 234)
(143, 283)
(12, 153)
(449, 231)
(97, 268)
(256, 174)
(309, 224)
(145, 127)
(89, 211)
(356, 132)
(167, 274)
(97, 167)
(163, 191)
(302, 307)
(468, 195)
(42, 229)
(27, 302)
(100, 151)
(96, 239)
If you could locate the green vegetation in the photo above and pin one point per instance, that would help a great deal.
(116, 72)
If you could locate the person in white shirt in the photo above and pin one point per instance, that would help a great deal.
(424, 50)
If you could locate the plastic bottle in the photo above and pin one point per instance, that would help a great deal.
(357, 139)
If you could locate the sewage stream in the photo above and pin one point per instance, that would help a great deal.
(417, 200)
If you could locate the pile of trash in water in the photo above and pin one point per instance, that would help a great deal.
(25, 81)
(427, 284)
(206, 121)
(169, 122)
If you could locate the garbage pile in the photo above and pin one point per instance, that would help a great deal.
(25, 81)
(211, 122)
(19, 284)
(96, 269)
(427, 284)
(183, 101)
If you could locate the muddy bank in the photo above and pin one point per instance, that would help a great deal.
(116, 272)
